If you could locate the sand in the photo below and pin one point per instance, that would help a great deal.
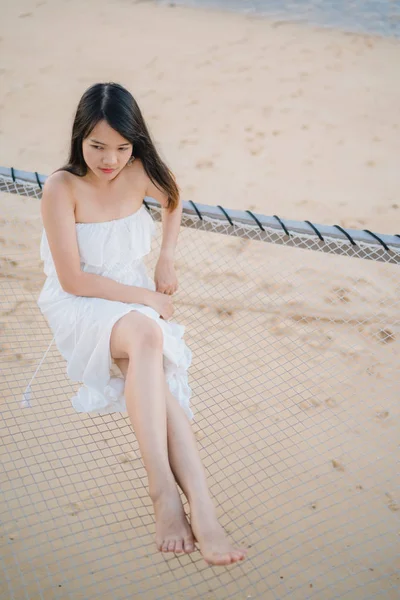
(296, 353)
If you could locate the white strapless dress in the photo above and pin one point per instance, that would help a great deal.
(82, 325)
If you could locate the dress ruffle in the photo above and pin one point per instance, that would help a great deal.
(102, 393)
(107, 244)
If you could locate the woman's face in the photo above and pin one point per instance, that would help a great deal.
(105, 151)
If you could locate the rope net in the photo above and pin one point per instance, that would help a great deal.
(294, 377)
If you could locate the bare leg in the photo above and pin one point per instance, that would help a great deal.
(145, 400)
(191, 477)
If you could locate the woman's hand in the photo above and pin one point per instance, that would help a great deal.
(162, 303)
(165, 276)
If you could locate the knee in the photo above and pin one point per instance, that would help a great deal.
(133, 333)
(147, 335)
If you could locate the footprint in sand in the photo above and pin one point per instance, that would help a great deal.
(272, 286)
(392, 504)
(337, 465)
(254, 408)
(374, 369)
(187, 142)
(87, 502)
(9, 262)
(199, 435)
(223, 312)
(127, 458)
(13, 309)
(72, 508)
(339, 294)
(331, 402)
(381, 415)
(256, 151)
(297, 93)
(309, 404)
(204, 164)
(384, 336)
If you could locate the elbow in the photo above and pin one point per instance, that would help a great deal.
(72, 285)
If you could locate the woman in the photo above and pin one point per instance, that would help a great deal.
(105, 310)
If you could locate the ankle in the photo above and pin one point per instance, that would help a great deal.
(159, 492)
(201, 502)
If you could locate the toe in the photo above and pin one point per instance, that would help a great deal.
(171, 546)
(188, 545)
(164, 547)
(229, 558)
(179, 546)
(236, 555)
(219, 559)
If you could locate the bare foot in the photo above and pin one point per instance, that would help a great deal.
(173, 532)
(214, 544)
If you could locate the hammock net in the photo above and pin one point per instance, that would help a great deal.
(295, 385)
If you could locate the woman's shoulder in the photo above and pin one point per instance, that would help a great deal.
(59, 180)
(58, 192)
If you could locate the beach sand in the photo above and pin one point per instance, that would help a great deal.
(296, 353)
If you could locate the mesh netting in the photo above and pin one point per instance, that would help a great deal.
(295, 393)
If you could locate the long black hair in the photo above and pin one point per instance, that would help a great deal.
(116, 105)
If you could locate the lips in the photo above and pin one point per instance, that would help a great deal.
(107, 170)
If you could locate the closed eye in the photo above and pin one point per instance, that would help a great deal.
(101, 147)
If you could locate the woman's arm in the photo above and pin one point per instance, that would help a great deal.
(58, 216)
(171, 222)
(165, 277)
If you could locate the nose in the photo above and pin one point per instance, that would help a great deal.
(110, 160)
